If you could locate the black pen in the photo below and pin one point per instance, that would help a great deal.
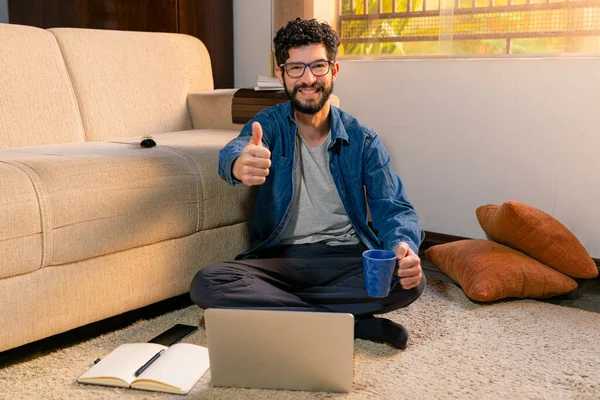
(148, 363)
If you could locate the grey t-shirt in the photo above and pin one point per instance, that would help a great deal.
(318, 214)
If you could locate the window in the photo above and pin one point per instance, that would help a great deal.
(468, 27)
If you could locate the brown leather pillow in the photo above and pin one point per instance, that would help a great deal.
(489, 271)
(538, 235)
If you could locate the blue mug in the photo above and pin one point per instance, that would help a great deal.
(379, 267)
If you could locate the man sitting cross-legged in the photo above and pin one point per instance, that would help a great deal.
(316, 169)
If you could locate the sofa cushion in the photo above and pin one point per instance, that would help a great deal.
(106, 197)
(37, 105)
(222, 204)
(489, 271)
(20, 226)
(133, 83)
(538, 235)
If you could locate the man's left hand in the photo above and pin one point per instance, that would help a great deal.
(408, 266)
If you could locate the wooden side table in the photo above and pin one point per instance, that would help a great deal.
(248, 102)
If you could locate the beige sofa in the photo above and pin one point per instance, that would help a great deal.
(91, 224)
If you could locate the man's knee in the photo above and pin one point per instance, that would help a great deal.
(202, 289)
(420, 288)
(403, 297)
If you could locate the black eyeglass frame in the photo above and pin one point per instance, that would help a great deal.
(284, 67)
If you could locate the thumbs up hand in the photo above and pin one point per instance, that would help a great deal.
(257, 133)
(252, 166)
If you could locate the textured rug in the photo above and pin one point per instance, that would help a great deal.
(458, 349)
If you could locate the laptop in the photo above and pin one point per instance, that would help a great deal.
(292, 350)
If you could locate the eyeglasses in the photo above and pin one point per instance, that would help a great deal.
(296, 69)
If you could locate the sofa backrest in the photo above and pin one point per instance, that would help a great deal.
(37, 104)
(133, 83)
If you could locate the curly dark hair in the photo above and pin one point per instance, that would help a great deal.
(302, 33)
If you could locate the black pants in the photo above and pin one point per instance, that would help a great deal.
(308, 277)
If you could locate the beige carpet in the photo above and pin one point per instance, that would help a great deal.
(457, 350)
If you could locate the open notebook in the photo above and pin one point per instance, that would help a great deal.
(177, 369)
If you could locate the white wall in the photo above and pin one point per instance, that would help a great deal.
(4, 11)
(463, 133)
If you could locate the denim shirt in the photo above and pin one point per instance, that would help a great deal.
(357, 161)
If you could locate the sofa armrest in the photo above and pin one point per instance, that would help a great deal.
(212, 109)
(335, 100)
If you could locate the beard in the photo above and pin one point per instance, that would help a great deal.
(310, 107)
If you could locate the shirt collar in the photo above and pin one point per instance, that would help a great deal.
(338, 131)
(337, 127)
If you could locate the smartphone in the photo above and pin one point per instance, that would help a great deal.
(174, 334)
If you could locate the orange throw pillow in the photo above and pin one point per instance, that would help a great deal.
(489, 271)
(538, 235)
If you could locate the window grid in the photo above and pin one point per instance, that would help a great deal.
(433, 20)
